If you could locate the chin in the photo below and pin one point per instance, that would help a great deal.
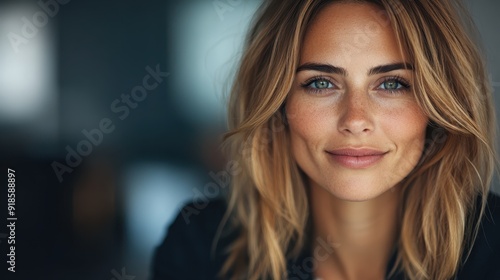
(357, 192)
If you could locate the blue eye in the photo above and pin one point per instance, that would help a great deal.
(320, 84)
(391, 85)
(394, 84)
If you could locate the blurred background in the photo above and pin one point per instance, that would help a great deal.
(111, 114)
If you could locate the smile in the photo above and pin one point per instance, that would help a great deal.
(356, 158)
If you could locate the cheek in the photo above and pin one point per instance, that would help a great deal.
(413, 128)
(307, 119)
(406, 130)
(404, 121)
(297, 118)
(305, 129)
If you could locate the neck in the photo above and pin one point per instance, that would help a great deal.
(361, 235)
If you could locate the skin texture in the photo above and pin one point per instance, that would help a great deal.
(355, 209)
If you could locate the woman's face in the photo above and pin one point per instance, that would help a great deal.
(355, 127)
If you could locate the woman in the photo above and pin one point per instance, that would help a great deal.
(363, 135)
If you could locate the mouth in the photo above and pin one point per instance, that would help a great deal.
(356, 158)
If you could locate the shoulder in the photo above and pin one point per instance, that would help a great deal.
(484, 260)
(186, 251)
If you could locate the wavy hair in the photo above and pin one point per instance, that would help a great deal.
(268, 200)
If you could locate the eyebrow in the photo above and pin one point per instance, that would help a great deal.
(390, 67)
(328, 68)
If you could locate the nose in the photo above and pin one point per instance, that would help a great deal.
(355, 116)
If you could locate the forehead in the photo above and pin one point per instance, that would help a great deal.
(342, 33)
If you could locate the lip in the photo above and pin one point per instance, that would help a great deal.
(356, 158)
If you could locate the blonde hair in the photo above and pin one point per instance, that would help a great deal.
(268, 201)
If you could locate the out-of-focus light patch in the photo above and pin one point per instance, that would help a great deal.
(207, 46)
(153, 195)
(27, 76)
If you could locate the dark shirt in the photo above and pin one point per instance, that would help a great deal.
(185, 253)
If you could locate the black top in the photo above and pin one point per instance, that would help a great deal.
(186, 251)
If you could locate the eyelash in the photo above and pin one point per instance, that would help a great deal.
(306, 84)
(405, 86)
